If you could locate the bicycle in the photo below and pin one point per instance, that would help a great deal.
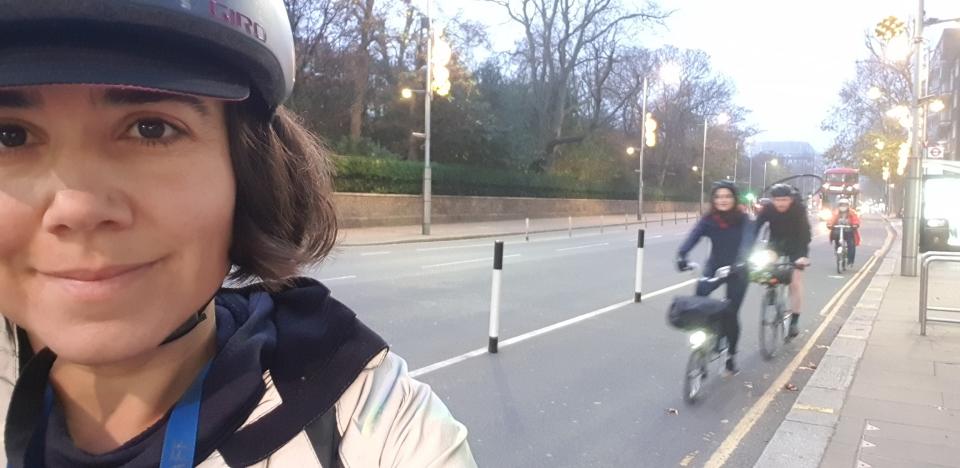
(700, 315)
(774, 273)
(842, 248)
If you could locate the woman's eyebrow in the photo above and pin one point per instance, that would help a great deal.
(122, 97)
(19, 99)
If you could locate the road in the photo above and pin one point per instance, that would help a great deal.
(594, 392)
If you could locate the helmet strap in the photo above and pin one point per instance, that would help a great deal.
(191, 323)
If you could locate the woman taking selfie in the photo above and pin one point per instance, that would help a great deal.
(145, 158)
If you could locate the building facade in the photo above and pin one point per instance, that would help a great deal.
(943, 128)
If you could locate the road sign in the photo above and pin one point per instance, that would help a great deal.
(935, 152)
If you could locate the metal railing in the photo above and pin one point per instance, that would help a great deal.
(926, 260)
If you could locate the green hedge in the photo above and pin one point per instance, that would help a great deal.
(379, 175)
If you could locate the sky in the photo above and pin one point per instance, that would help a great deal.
(787, 58)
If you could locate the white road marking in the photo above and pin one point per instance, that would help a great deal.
(338, 278)
(370, 254)
(464, 262)
(535, 333)
(450, 247)
(583, 247)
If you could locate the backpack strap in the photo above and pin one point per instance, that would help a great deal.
(325, 438)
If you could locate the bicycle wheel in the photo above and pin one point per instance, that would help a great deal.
(843, 256)
(695, 375)
(771, 324)
(783, 312)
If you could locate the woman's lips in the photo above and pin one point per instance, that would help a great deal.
(97, 284)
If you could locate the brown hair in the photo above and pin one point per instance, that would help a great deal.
(284, 219)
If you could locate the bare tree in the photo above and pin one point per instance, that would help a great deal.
(557, 36)
(859, 120)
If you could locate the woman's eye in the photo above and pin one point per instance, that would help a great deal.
(13, 136)
(153, 129)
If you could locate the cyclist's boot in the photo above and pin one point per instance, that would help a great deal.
(731, 368)
(794, 327)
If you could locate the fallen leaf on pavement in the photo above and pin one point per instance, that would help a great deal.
(791, 387)
(673, 412)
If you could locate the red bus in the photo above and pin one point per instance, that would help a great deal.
(839, 182)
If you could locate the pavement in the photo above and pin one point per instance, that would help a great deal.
(584, 376)
(883, 396)
(387, 235)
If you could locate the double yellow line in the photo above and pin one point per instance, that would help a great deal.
(829, 311)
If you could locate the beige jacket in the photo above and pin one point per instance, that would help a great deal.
(385, 418)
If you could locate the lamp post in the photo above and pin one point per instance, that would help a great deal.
(722, 119)
(643, 134)
(437, 80)
(669, 74)
(750, 174)
(889, 30)
(772, 162)
(736, 158)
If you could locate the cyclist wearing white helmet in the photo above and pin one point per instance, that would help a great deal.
(847, 216)
(145, 156)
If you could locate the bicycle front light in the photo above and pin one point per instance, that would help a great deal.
(698, 338)
(762, 259)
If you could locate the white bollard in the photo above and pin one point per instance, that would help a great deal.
(639, 280)
(601, 224)
(495, 297)
(526, 230)
(626, 222)
(570, 226)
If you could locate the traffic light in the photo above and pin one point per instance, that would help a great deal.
(440, 57)
(650, 130)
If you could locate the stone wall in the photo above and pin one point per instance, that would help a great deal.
(371, 210)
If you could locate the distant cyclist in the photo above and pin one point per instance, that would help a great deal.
(789, 237)
(726, 225)
(846, 216)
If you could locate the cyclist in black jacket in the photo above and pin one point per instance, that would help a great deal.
(790, 237)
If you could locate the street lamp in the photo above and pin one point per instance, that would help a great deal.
(437, 81)
(936, 105)
(893, 32)
(669, 73)
(721, 119)
(772, 162)
(694, 168)
(749, 143)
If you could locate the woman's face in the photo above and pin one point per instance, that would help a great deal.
(117, 208)
(723, 199)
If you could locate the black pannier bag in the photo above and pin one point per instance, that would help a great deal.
(692, 312)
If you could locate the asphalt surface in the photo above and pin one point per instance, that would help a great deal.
(597, 392)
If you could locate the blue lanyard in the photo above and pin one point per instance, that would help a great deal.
(180, 438)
